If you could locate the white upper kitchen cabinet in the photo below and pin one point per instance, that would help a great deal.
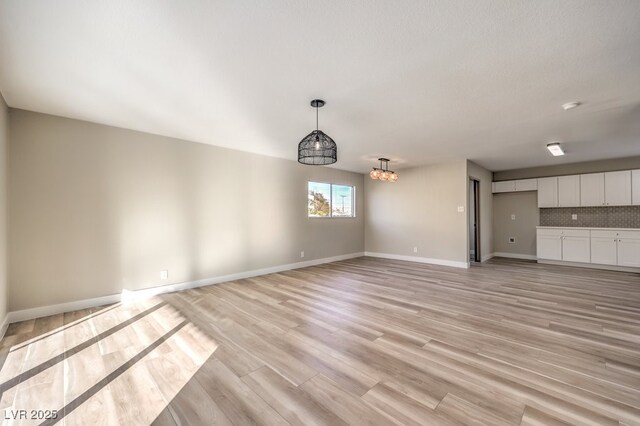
(592, 189)
(505, 186)
(569, 191)
(548, 192)
(617, 188)
(635, 187)
(527, 185)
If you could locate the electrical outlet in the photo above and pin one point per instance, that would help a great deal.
(574, 217)
(415, 249)
(164, 274)
(512, 240)
(513, 217)
(301, 254)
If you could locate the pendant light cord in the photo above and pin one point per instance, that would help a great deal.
(317, 118)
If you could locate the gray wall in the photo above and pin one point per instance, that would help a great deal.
(95, 209)
(627, 163)
(525, 206)
(4, 140)
(486, 206)
(419, 210)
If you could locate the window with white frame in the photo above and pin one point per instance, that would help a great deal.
(331, 200)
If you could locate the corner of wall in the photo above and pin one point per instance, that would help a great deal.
(4, 142)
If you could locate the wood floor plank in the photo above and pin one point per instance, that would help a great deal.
(533, 417)
(468, 413)
(193, 406)
(350, 408)
(405, 410)
(291, 402)
(238, 402)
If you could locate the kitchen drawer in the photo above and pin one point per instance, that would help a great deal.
(576, 233)
(629, 234)
(600, 233)
(550, 232)
(567, 232)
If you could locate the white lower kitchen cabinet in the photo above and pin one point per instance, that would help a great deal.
(604, 250)
(576, 249)
(629, 250)
(549, 244)
(597, 246)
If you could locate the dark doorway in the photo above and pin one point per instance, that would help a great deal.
(474, 220)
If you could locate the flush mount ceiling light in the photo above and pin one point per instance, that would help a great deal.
(570, 105)
(317, 148)
(383, 173)
(555, 149)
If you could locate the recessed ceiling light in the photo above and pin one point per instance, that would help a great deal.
(570, 105)
(555, 149)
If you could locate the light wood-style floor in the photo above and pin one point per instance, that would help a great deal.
(363, 341)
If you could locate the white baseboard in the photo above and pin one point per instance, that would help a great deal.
(149, 292)
(4, 326)
(591, 265)
(418, 259)
(126, 295)
(45, 311)
(515, 255)
(487, 257)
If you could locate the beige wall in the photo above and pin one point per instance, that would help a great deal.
(486, 206)
(419, 210)
(525, 206)
(627, 163)
(97, 209)
(4, 140)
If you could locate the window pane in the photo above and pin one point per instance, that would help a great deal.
(342, 201)
(319, 199)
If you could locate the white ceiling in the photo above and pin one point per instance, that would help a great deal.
(416, 81)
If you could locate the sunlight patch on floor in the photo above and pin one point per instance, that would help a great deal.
(130, 359)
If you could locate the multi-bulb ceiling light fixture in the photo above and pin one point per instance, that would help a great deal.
(383, 172)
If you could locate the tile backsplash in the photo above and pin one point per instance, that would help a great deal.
(596, 217)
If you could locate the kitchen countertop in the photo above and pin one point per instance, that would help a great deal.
(589, 228)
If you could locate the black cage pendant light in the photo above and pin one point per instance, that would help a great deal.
(317, 148)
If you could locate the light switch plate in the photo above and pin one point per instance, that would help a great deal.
(460, 209)
(513, 217)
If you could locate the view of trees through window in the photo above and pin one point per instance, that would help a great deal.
(328, 200)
